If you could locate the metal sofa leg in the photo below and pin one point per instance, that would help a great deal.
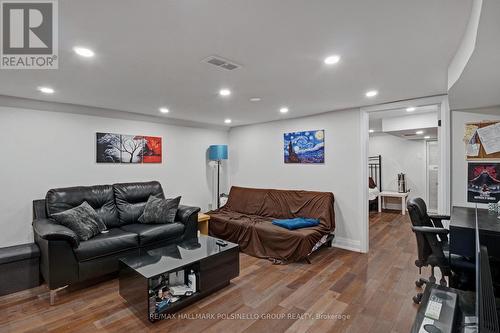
(53, 294)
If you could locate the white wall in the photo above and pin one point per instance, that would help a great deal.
(459, 163)
(400, 155)
(256, 160)
(43, 150)
(408, 122)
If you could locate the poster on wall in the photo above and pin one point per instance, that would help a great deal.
(152, 149)
(307, 147)
(128, 149)
(483, 183)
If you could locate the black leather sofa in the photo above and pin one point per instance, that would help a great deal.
(65, 260)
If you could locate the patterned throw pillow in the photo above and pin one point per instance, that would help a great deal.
(159, 210)
(83, 220)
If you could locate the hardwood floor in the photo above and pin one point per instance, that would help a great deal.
(367, 292)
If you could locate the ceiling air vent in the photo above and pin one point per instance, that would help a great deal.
(221, 63)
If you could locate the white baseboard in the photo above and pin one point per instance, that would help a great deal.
(347, 244)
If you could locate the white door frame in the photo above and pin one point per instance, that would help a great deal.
(427, 190)
(444, 138)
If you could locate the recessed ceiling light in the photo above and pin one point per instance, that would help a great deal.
(371, 93)
(331, 60)
(371, 131)
(419, 132)
(46, 90)
(83, 51)
(224, 92)
(427, 137)
(284, 109)
(255, 99)
(410, 109)
(227, 121)
(164, 110)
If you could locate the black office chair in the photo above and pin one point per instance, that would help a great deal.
(432, 244)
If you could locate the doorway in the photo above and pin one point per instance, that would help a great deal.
(442, 144)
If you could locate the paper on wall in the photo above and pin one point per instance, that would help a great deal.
(490, 138)
(472, 149)
(470, 131)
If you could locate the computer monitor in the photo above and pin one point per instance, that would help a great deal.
(486, 309)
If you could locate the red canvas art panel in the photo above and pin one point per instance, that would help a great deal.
(152, 149)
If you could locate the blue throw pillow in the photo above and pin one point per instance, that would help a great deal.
(296, 223)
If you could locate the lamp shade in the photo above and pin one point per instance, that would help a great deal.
(217, 152)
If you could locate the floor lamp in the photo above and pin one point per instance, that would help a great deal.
(217, 153)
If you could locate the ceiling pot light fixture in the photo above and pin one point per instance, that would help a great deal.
(164, 110)
(224, 92)
(371, 131)
(284, 109)
(227, 121)
(255, 99)
(427, 137)
(410, 109)
(331, 60)
(84, 52)
(371, 93)
(46, 90)
(419, 132)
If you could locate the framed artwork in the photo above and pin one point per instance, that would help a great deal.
(152, 149)
(108, 148)
(131, 148)
(483, 182)
(128, 149)
(307, 147)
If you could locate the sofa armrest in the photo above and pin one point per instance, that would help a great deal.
(189, 217)
(48, 229)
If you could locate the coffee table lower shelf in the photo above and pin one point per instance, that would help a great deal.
(213, 272)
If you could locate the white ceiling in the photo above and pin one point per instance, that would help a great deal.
(149, 53)
(479, 84)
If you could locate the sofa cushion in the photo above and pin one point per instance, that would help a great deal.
(160, 210)
(82, 220)
(114, 241)
(152, 233)
(131, 199)
(99, 197)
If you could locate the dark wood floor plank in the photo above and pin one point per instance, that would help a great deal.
(341, 291)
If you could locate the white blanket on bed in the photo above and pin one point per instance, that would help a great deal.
(373, 193)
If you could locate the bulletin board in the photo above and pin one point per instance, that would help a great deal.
(472, 137)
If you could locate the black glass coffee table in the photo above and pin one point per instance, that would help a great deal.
(163, 280)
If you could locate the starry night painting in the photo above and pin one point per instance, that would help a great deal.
(306, 147)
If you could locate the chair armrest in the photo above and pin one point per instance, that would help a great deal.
(48, 229)
(431, 230)
(184, 213)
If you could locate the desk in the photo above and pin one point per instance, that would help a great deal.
(462, 231)
(465, 303)
(403, 197)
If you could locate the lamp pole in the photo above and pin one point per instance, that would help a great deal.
(218, 184)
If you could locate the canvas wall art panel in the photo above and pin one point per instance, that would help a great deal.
(121, 148)
(483, 182)
(307, 147)
(132, 148)
(108, 148)
(152, 149)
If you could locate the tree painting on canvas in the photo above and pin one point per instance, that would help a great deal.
(306, 147)
(152, 149)
(108, 148)
(131, 148)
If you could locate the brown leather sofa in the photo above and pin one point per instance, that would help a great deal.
(247, 218)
